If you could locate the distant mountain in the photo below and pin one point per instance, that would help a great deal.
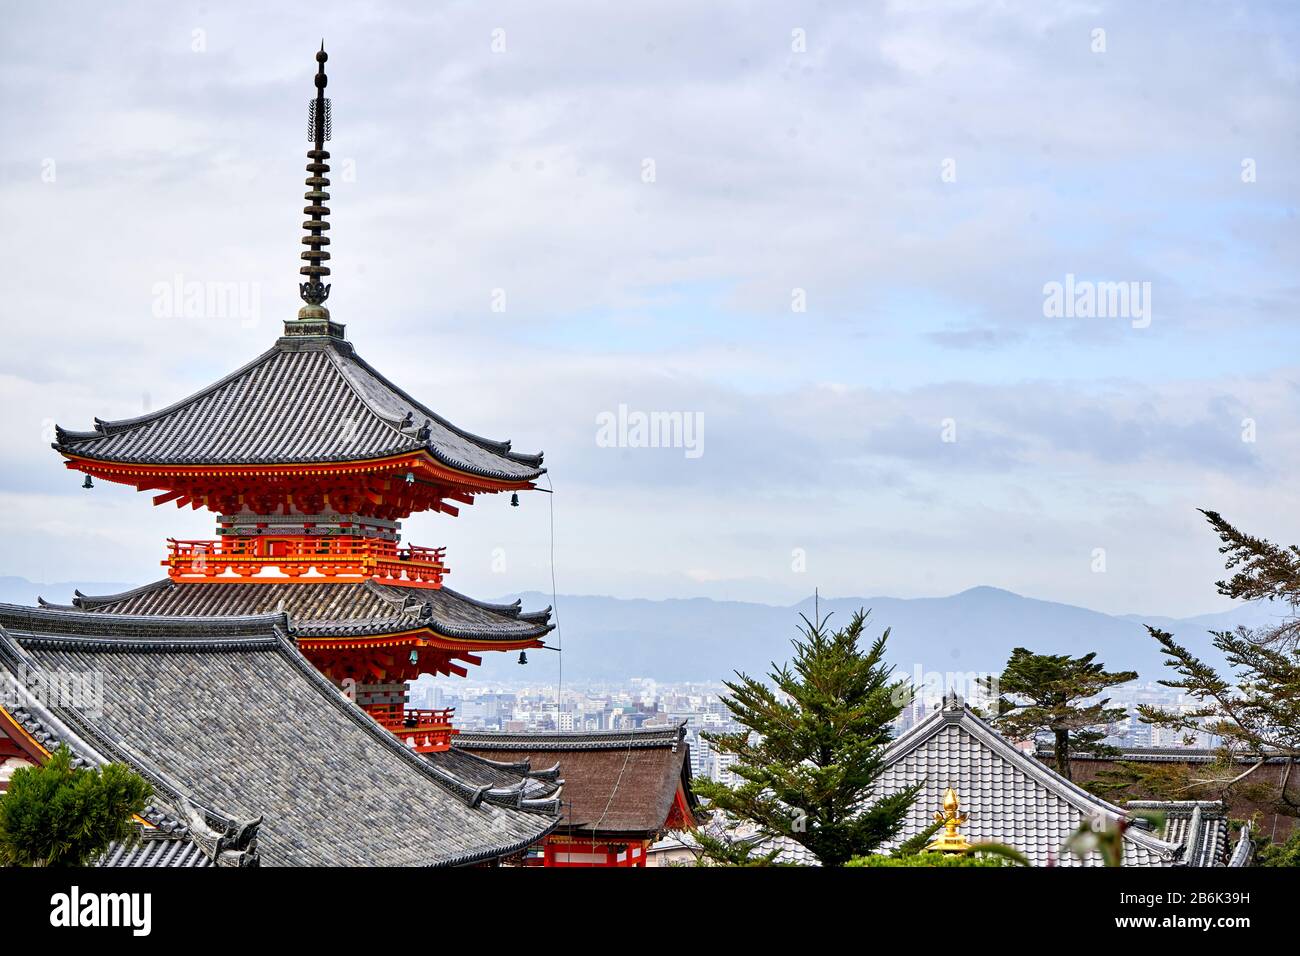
(699, 639)
(21, 591)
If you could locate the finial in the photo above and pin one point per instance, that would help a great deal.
(950, 841)
(314, 292)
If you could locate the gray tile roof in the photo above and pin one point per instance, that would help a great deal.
(670, 736)
(1010, 796)
(480, 771)
(618, 782)
(336, 609)
(307, 399)
(154, 850)
(230, 723)
(1202, 827)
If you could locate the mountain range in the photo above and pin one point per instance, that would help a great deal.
(700, 639)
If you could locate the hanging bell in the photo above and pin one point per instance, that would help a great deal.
(415, 656)
(88, 483)
(514, 503)
(523, 657)
(410, 478)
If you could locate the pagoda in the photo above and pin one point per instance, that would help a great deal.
(310, 459)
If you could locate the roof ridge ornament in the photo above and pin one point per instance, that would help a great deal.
(950, 841)
(313, 317)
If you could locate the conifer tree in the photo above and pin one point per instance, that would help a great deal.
(810, 751)
(1047, 694)
(61, 815)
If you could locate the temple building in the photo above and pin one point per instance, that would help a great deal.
(254, 757)
(310, 459)
(1010, 797)
(261, 685)
(983, 789)
(622, 789)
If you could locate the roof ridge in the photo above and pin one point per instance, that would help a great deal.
(971, 723)
(336, 360)
(87, 601)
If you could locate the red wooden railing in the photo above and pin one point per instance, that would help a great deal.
(342, 556)
(425, 730)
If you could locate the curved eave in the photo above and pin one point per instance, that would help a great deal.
(127, 472)
(426, 636)
(347, 366)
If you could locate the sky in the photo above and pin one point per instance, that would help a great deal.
(823, 233)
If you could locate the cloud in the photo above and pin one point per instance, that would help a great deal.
(775, 172)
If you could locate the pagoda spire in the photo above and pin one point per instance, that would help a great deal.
(314, 291)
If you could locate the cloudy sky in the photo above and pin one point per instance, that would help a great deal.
(822, 229)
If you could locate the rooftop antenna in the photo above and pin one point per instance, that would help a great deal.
(319, 129)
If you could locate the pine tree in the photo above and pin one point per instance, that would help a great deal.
(1046, 693)
(1255, 710)
(1264, 571)
(811, 749)
(61, 815)
(1255, 706)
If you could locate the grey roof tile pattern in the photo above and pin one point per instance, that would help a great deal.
(304, 400)
(338, 609)
(1199, 825)
(482, 772)
(226, 714)
(1010, 796)
(156, 851)
(671, 736)
(620, 782)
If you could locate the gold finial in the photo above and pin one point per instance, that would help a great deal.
(950, 841)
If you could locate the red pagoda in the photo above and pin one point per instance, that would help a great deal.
(311, 458)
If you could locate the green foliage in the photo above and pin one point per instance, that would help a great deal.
(1264, 571)
(934, 859)
(1255, 705)
(727, 850)
(1255, 709)
(1045, 694)
(1131, 780)
(1280, 854)
(812, 746)
(61, 815)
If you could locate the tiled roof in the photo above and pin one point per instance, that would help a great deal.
(672, 736)
(307, 399)
(1010, 797)
(338, 609)
(230, 723)
(1202, 827)
(479, 771)
(160, 851)
(615, 782)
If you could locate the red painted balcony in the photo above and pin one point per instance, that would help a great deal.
(422, 730)
(304, 559)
